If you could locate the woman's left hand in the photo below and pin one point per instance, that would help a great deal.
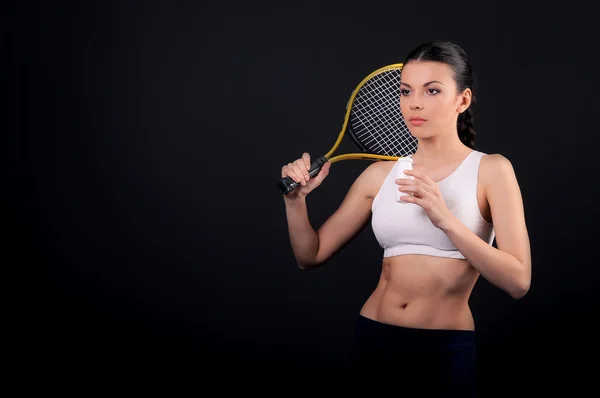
(427, 195)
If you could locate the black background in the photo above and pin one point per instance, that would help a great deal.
(148, 137)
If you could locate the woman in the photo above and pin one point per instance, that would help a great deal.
(417, 322)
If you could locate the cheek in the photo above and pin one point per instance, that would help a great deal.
(443, 108)
(403, 106)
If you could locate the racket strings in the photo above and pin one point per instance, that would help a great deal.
(380, 114)
(376, 119)
(378, 110)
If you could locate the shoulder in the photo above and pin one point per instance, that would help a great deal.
(379, 167)
(496, 170)
(373, 176)
(494, 164)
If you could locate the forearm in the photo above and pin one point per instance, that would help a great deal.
(303, 238)
(499, 268)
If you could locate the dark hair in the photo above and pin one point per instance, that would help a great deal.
(464, 75)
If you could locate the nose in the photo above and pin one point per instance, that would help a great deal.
(415, 106)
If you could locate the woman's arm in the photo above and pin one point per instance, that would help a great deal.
(313, 248)
(509, 266)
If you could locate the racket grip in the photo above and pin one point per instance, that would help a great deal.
(287, 184)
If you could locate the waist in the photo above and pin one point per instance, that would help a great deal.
(423, 292)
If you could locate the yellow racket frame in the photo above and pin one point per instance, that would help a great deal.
(359, 156)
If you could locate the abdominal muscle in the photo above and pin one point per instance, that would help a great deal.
(423, 292)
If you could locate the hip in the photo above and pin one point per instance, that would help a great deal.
(376, 336)
(440, 360)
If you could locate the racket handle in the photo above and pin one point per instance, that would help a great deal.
(287, 184)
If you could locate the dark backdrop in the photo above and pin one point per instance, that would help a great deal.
(148, 139)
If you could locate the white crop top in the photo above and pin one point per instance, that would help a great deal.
(405, 228)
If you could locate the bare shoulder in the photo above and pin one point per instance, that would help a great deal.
(372, 177)
(495, 167)
(500, 183)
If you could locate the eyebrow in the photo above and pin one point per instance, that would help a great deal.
(424, 85)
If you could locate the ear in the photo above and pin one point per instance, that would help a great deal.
(465, 100)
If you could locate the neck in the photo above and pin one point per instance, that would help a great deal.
(440, 148)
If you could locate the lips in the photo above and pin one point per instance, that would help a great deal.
(416, 121)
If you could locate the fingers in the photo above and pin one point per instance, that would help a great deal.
(417, 190)
(298, 169)
(302, 169)
(292, 170)
(417, 182)
(420, 176)
(306, 159)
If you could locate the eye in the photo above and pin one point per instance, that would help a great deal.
(432, 91)
(404, 91)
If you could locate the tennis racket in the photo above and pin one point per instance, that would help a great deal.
(374, 122)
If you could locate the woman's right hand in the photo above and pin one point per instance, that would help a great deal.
(298, 171)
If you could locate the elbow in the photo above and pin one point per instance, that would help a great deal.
(520, 288)
(307, 265)
(519, 293)
(310, 262)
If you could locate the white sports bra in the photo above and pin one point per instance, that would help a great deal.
(405, 228)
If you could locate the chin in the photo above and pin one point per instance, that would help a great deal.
(420, 133)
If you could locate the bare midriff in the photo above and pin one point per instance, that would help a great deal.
(423, 292)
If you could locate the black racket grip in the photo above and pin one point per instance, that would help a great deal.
(287, 184)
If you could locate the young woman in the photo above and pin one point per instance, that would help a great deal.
(417, 323)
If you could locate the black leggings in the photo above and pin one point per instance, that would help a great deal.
(431, 361)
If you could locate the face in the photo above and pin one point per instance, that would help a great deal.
(429, 100)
